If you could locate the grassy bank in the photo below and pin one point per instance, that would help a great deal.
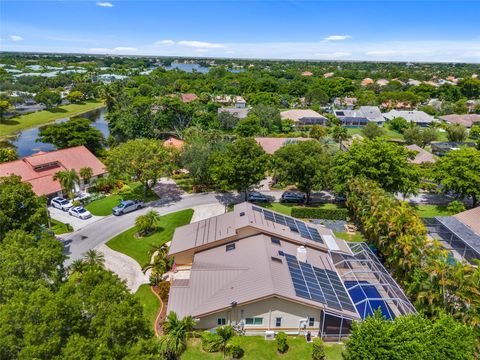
(22, 122)
(138, 249)
(150, 303)
(60, 228)
(257, 348)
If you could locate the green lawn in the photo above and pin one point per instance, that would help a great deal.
(388, 132)
(357, 237)
(138, 249)
(432, 210)
(256, 348)
(18, 123)
(287, 208)
(150, 303)
(59, 227)
(103, 207)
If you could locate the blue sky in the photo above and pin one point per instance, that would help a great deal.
(330, 30)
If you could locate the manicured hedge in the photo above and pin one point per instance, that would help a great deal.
(320, 213)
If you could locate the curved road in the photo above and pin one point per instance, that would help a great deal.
(99, 232)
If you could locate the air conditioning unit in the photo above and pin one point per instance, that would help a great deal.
(269, 335)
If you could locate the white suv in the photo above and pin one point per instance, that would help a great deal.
(61, 203)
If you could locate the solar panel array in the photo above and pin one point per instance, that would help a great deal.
(295, 225)
(321, 285)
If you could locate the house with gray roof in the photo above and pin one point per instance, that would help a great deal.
(304, 117)
(413, 116)
(262, 271)
(240, 113)
(361, 116)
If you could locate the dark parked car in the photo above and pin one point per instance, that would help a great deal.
(257, 197)
(127, 206)
(292, 197)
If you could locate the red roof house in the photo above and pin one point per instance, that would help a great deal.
(39, 169)
(174, 142)
(186, 98)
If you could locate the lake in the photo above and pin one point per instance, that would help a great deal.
(25, 140)
(188, 67)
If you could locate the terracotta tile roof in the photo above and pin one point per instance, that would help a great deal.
(38, 169)
(307, 73)
(271, 144)
(174, 142)
(422, 156)
(188, 97)
(471, 218)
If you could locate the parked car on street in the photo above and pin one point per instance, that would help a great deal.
(292, 197)
(80, 212)
(61, 203)
(127, 206)
(257, 197)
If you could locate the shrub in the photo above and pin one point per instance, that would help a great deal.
(318, 352)
(430, 187)
(282, 345)
(236, 351)
(456, 207)
(76, 203)
(320, 213)
(211, 342)
(164, 290)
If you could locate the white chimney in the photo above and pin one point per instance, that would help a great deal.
(302, 254)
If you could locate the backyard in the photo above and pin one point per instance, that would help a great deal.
(18, 123)
(426, 210)
(150, 303)
(138, 248)
(103, 207)
(256, 348)
(286, 209)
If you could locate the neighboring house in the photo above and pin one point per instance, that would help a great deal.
(422, 156)
(396, 104)
(39, 169)
(307, 73)
(238, 112)
(328, 75)
(361, 116)
(227, 100)
(347, 103)
(271, 144)
(304, 117)
(414, 116)
(260, 271)
(382, 82)
(466, 120)
(240, 102)
(460, 233)
(366, 82)
(413, 82)
(186, 98)
(441, 148)
(174, 142)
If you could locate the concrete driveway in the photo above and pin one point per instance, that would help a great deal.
(77, 223)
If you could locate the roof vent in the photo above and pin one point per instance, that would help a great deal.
(302, 253)
(242, 213)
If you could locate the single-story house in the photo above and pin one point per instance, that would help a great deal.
(466, 120)
(442, 147)
(261, 271)
(237, 101)
(459, 233)
(186, 98)
(361, 116)
(240, 113)
(304, 117)
(272, 144)
(345, 103)
(422, 156)
(39, 169)
(413, 116)
(174, 142)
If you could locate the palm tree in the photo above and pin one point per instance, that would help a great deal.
(86, 174)
(159, 266)
(225, 332)
(176, 332)
(94, 257)
(147, 223)
(67, 180)
(78, 266)
(339, 133)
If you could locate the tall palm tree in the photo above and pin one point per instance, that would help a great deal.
(159, 266)
(78, 266)
(94, 257)
(67, 180)
(225, 332)
(176, 333)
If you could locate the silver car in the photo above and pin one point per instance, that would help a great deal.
(80, 212)
(61, 203)
(127, 206)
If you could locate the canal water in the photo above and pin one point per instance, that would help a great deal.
(26, 144)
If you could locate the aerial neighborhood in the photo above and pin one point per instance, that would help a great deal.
(197, 208)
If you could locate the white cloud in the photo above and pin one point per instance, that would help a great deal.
(333, 55)
(125, 48)
(16, 38)
(104, 4)
(99, 50)
(337, 37)
(200, 44)
(165, 42)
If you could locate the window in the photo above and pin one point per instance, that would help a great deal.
(276, 259)
(278, 322)
(275, 241)
(311, 321)
(221, 321)
(254, 321)
(242, 213)
(230, 247)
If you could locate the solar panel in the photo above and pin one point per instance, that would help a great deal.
(294, 225)
(318, 284)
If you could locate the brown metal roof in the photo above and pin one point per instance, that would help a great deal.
(471, 218)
